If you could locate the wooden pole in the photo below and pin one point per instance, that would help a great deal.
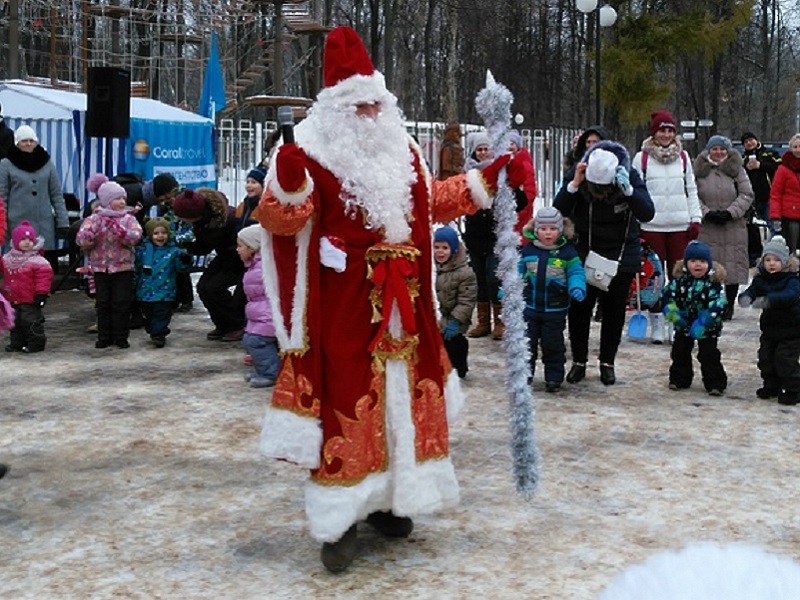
(13, 39)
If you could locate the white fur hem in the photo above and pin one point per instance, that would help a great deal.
(476, 187)
(429, 487)
(288, 436)
(295, 198)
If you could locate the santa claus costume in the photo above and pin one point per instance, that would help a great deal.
(366, 390)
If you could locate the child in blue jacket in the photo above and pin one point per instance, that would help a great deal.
(693, 302)
(553, 275)
(158, 262)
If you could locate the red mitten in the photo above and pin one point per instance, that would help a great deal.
(518, 168)
(291, 168)
(491, 172)
(693, 232)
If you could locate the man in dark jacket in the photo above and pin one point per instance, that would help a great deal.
(6, 137)
(760, 163)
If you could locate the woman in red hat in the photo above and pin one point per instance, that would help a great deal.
(667, 172)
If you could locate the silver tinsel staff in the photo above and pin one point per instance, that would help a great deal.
(494, 106)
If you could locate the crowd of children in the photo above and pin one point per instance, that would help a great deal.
(128, 264)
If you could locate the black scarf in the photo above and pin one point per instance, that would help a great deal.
(29, 161)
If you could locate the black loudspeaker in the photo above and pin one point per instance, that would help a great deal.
(108, 102)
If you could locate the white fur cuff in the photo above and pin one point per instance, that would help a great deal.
(288, 436)
(295, 198)
(478, 190)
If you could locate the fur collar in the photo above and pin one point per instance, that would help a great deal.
(29, 162)
(716, 275)
(215, 214)
(730, 166)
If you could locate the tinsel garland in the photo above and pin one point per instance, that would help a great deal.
(493, 104)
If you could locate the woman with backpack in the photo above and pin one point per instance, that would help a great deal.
(666, 170)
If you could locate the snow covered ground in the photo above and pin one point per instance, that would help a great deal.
(135, 474)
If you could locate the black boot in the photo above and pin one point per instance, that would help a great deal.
(576, 373)
(337, 556)
(607, 374)
(390, 525)
(789, 398)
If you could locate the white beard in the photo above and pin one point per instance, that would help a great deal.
(371, 159)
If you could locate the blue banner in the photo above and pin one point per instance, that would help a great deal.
(184, 150)
(212, 97)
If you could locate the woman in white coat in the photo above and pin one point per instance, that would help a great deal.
(667, 172)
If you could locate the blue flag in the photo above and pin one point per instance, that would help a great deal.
(212, 98)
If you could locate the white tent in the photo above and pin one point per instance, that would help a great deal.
(58, 117)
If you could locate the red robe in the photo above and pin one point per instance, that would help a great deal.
(366, 389)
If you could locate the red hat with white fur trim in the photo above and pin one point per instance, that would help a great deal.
(348, 71)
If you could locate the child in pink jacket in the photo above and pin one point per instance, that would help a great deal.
(109, 235)
(27, 277)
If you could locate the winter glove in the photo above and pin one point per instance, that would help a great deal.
(40, 300)
(62, 233)
(623, 180)
(491, 172)
(450, 330)
(693, 232)
(761, 302)
(184, 234)
(186, 258)
(698, 328)
(674, 315)
(724, 216)
(291, 168)
(745, 300)
(577, 294)
(777, 225)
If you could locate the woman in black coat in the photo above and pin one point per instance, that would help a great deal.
(606, 200)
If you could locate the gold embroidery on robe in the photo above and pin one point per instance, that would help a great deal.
(361, 449)
(294, 392)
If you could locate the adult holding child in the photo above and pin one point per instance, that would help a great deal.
(606, 200)
(725, 197)
(666, 170)
(214, 226)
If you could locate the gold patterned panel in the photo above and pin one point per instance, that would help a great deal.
(295, 392)
(430, 420)
(361, 449)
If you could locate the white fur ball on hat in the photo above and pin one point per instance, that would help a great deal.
(601, 167)
(25, 132)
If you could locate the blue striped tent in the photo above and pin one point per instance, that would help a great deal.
(58, 117)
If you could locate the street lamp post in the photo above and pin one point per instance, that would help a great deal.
(604, 16)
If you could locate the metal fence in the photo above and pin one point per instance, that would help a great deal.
(240, 146)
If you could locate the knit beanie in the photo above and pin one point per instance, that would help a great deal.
(719, 140)
(777, 247)
(110, 191)
(164, 184)
(747, 135)
(258, 173)
(188, 205)
(23, 231)
(549, 215)
(251, 236)
(601, 167)
(659, 119)
(25, 132)
(448, 235)
(151, 225)
(699, 250)
(475, 139)
(515, 138)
